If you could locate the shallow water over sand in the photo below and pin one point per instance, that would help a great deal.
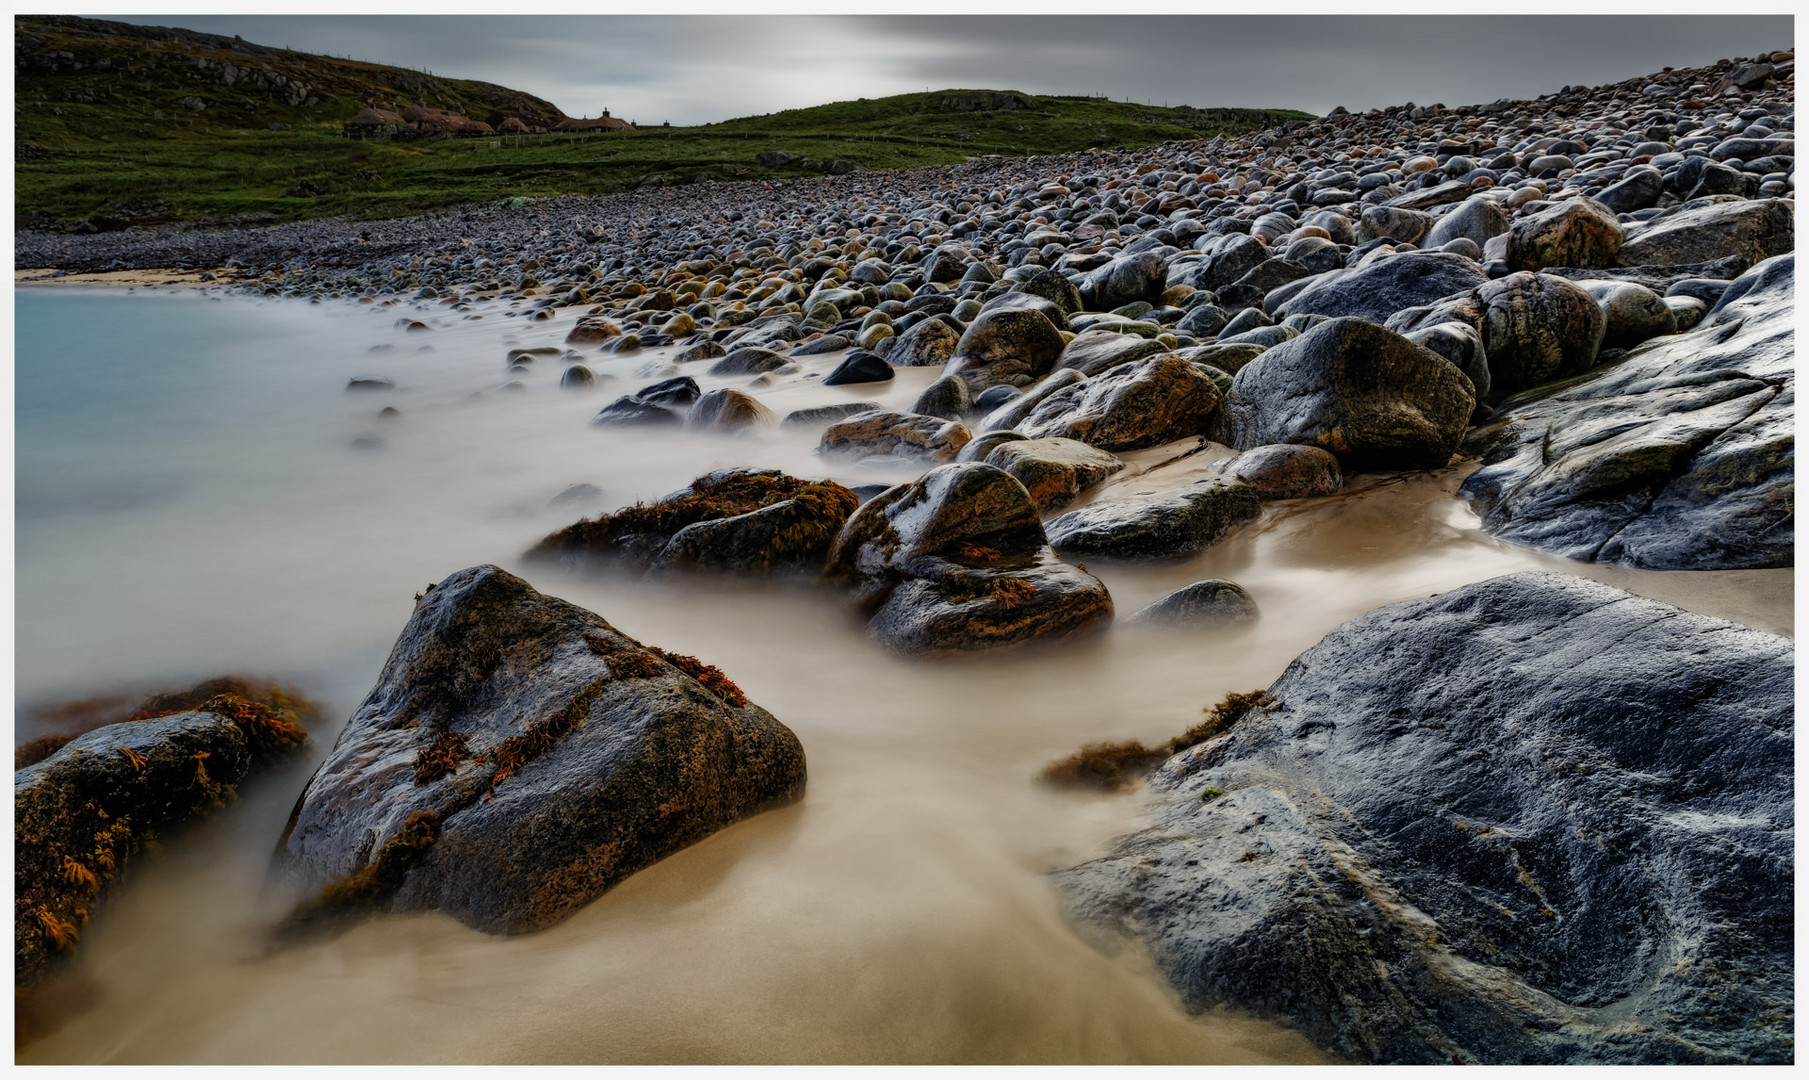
(190, 502)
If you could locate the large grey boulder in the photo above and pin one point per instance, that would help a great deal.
(518, 757)
(957, 562)
(1537, 328)
(1752, 230)
(1378, 289)
(1578, 232)
(1681, 456)
(1366, 394)
(1534, 820)
(1169, 523)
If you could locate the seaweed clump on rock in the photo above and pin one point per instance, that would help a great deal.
(518, 757)
(735, 520)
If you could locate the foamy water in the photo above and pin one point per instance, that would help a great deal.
(190, 502)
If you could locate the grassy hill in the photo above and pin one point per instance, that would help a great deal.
(119, 124)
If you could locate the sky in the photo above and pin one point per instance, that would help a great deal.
(694, 69)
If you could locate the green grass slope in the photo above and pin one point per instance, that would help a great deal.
(107, 130)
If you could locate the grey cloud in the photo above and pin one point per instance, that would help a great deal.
(696, 69)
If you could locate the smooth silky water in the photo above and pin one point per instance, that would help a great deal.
(190, 502)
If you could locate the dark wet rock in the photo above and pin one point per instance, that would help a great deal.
(1049, 285)
(1366, 394)
(828, 343)
(1578, 232)
(1130, 407)
(995, 397)
(1402, 225)
(749, 360)
(1054, 471)
(369, 382)
(1632, 313)
(1213, 602)
(1537, 328)
(1477, 220)
(828, 414)
(1640, 188)
(675, 392)
(947, 397)
(517, 758)
(930, 343)
(630, 411)
(1285, 471)
(84, 814)
(1753, 231)
(1023, 301)
(724, 411)
(1224, 357)
(576, 496)
(578, 377)
(1461, 343)
(860, 366)
(890, 434)
(1139, 276)
(703, 350)
(1006, 347)
(1681, 456)
(1168, 524)
(1097, 350)
(958, 561)
(1533, 820)
(1202, 321)
(745, 520)
(1377, 290)
(981, 446)
(1228, 258)
(1010, 414)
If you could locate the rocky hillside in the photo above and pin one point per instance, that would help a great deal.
(86, 76)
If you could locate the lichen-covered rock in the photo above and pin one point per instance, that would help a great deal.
(1006, 347)
(1537, 328)
(948, 398)
(1167, 524)
(956, 562)
(1679, 457)
(745, 520)
(1141, 404)
(1125, 280)
(1753, 230)
(749, 360)
(928, 344)
(1367, 395)
(518, 757)
(1054, 471)
(890, 434)
(728, 411)
(1534, 820)
(1097, 350)
(1213, 602)
(83, 814)
(1577, 232)
(1285, 471)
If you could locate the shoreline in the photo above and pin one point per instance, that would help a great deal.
(149, 277)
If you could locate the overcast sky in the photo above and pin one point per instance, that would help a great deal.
(693, 69)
